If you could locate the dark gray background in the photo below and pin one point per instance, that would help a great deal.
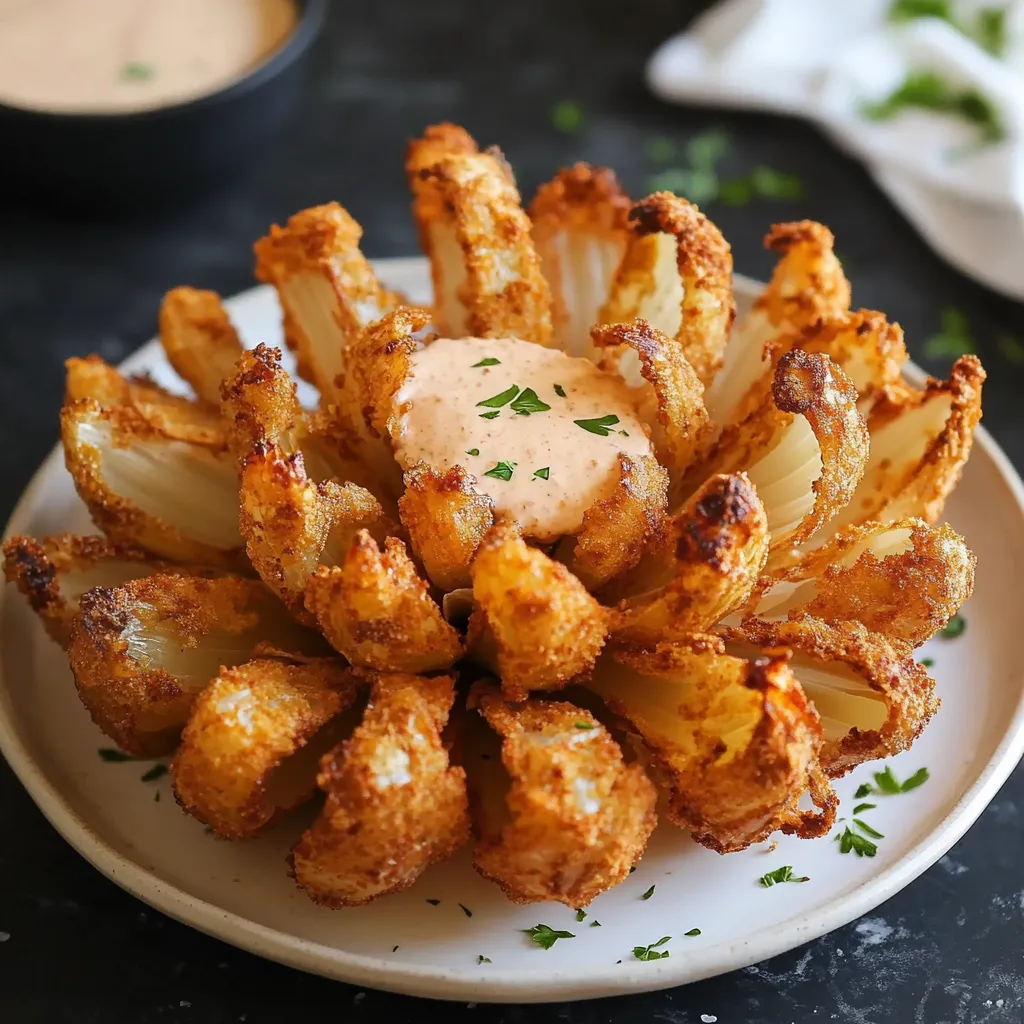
(948, 948)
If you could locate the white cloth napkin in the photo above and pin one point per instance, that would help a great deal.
(827, 59)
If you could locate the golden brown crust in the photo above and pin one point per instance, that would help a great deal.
(578, 817)
(447, 520)
(879, 698)
(376, 610)
(141, 652)
(199, 340)
(677, 258)
(702, 567)
(533, 623)
(734, 741)
(242, 736)
(292, 525)
(187, 510)
(394, 803)
(614, 531)
(580, 229)
(681, 429)
(486, 272)
(53, 572)
(903, 580)
(327, 288)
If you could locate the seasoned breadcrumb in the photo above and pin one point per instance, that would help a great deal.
(52, 573)
(395, 805)
(199, 340)
(734, 741)
(375, 609)
(580, 231)
(567, 818)
(246, 752)
(533, 623)
(677, 274)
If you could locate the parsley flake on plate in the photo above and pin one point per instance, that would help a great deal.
(650, 892)
(545, 936)
(851, 842)
(780, 875)
(692, 932)
(651, 952)
(954, 628)
(154, 773)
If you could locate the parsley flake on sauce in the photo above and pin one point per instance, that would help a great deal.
(466, 910)
(503, 398)
(490, 415)
(601, 425)
(545, 936)
(502, 471)
(473, 451)
(528, 403)
(489, 361)
(560, 391)
(544, 473)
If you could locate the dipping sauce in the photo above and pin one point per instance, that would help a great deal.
(110, 56)
(506, 411)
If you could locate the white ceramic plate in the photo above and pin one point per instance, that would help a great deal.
(241, 893)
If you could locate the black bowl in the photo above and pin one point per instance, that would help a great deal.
(108, 163)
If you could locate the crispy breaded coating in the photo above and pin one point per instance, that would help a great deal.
(140, 652)
(486, 273)
(567, 818)
(447, 520)
(395, 805)
(199, 340)
(376, 610)
(250, 749)
(702, 566)
(327, 288)
(807, 285)
(733, 740)
(676, 274)
(533, 623)
(872, 696)
(680, 426)
(920, 442)
(615, 530)
(437, 142)
(52, 573)
(580, 231)
(153, 470)
(292, 525)
(805, 449)
(904, 580)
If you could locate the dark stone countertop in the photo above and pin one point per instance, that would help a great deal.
(948, 948)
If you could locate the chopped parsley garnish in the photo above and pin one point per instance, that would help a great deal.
(780, 875)
(466, 910)
(599, 425)
(595, 924)
(543, 473)
(867, 829)
(651, 952)
(481, 959)
(489, 361)
(560, 391)
(954, 628)
(909, 10)
(886, 784)
(919, 778)
(528, 403)
(545, 936)
(660, 150)
(154, 773)
(581, 915)
(926, 662)
(490, 415)
(394, 949)
(624, 433)
(988, 30)
(647, 895)
(156, 797)
(114, 756)
(861, 808)
(497, 401)
(473, 451)
(928, 90)
(692, 932)
(434, 903)
(851, 842)
(863, 790)
(502, 471)
(1011, 349)
(585, 725)
(953, 339)
(137, 71)
(567, 116)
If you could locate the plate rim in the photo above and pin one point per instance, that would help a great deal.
(498, 984)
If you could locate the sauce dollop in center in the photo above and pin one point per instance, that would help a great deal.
(539, 430)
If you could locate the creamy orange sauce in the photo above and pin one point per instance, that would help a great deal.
(98, 56)
(545, 469)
